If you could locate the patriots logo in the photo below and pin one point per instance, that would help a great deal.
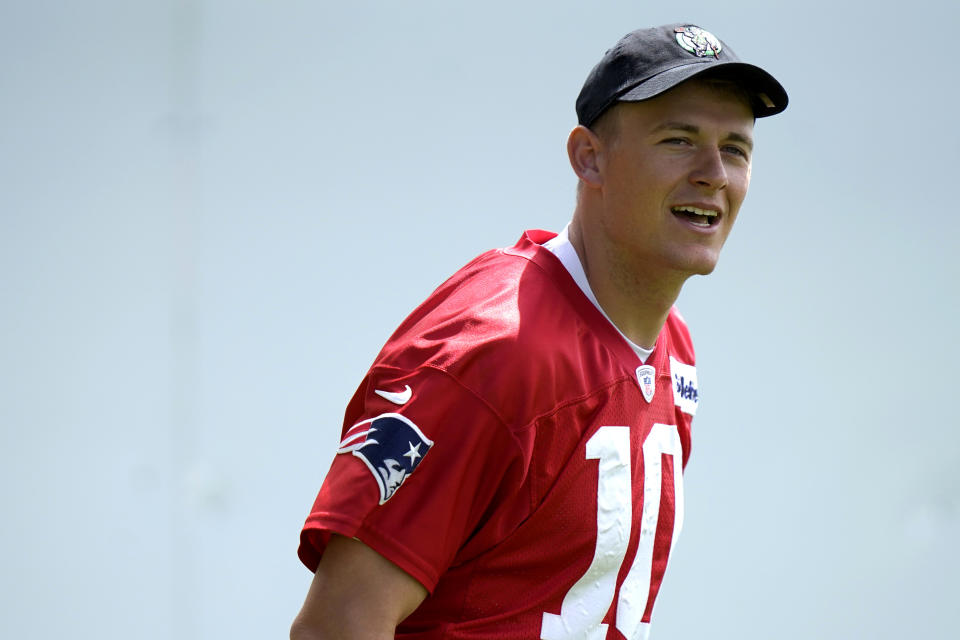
(391, 446)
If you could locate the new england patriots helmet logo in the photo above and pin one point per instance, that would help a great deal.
(391, 446)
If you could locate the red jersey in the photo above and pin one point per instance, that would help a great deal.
(510, 451)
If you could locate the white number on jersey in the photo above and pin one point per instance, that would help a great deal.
(589, 599)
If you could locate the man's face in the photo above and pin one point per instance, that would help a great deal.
(676, 170)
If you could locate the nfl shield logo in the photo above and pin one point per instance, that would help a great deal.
(647, 377)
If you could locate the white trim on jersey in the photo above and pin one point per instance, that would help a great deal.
(561, 247)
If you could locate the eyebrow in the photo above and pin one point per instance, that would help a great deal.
(690, 128)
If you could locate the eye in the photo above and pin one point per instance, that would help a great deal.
(677, 141)
(737, 151)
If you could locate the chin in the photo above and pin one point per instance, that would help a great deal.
(706, 268)
(698, 265)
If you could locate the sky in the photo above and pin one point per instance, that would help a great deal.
(213, 214)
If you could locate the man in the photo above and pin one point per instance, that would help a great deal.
(511, 465)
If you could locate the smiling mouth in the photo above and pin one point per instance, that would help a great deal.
(697, 216)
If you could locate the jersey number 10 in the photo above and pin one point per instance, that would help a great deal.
(589, 599)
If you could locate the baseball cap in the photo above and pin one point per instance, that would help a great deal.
(647, 62)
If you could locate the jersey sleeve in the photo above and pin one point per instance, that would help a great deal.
(419, 463)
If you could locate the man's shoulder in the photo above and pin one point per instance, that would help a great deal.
(509, 317)
(501, 304)
(681, 342)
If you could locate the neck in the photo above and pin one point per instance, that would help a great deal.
(637, 302)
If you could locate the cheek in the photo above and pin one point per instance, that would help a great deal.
(739, 186)
(736, 193)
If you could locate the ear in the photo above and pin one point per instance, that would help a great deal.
(583, 149)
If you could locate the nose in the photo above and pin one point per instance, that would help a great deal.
(709, 170)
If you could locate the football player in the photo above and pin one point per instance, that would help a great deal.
(511, 465)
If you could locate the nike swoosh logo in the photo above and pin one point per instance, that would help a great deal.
(396, 397)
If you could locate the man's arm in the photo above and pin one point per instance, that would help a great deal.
(356, 593)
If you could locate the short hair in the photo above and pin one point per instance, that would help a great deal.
(607, 124)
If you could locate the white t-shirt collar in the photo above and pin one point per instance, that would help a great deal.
(560, 246)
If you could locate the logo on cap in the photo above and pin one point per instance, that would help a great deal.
(699, 42)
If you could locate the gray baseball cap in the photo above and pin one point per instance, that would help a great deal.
(647, 62)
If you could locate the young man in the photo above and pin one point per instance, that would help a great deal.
(511, 465)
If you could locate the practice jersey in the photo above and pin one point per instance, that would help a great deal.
(510, 451)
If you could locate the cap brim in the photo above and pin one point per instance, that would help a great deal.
(768, 96)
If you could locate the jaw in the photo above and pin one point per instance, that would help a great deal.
(695, 245)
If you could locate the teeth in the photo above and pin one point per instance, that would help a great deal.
(710, 213)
